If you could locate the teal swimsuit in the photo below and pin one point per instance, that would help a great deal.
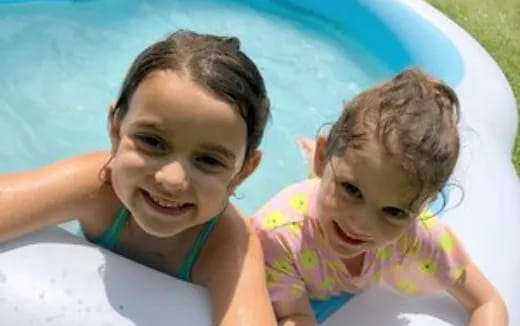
(109, 239)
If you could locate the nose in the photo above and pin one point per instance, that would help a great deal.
(362, 222)
(172, 177)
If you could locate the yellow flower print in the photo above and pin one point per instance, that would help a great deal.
(336, 266)
(448, 242)
(397, 267)
(271, 277)
(406, 286)
(273, 220)
(296, 290)
(300, 203)
(284, 265)
(378, 277)
(309, 259)
(428, 267)
(295, 228)
(428, 220)
(385, 254)
(316, 296)
(327, 284)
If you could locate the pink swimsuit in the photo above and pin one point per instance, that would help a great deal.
(428, 257)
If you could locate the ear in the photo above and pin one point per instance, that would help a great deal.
(320, 156)
(248, 169)
(114, 125)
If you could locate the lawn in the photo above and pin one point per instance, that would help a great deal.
(496, 25)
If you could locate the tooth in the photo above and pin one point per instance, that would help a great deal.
(164, 203)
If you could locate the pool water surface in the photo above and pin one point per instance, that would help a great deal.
(63, 62)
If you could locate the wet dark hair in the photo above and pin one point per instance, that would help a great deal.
(414, 117)
(217, 65)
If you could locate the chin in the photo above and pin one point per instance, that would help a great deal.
(159, 231)
(345, 254)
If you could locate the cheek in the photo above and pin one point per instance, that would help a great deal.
(390, 233)
(127, 159)
(212, 187)
(126, 168)
(330, 203)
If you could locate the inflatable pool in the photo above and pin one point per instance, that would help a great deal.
(54, 278)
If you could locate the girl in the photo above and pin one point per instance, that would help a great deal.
(363, 221)
(185, 132)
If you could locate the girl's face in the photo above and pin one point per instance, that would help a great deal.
(177, 154)
(364, 199)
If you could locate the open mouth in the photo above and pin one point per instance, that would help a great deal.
(347, 238)
(168, 207)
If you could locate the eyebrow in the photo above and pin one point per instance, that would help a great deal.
(150, 124)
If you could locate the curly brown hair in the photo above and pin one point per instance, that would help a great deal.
(414, 117)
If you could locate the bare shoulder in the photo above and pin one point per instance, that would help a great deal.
(235, 230)
(233, 241)
(232, 267)
(72, 188)
(91, 194)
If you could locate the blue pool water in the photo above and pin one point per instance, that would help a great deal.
(62, 62)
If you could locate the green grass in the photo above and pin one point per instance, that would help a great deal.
(496, 25)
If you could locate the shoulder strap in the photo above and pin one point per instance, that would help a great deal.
(187, 266)
(109, 239)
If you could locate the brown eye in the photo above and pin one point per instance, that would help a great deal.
(395, 213)
(151, 142)
(352, 190)
(210, 161)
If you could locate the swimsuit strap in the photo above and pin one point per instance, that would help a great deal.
(109, 239)
(184, 272)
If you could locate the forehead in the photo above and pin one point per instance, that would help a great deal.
(380, 177)
(172, 102)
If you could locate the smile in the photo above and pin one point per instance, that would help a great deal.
(347, 237)
(166, 203)
(168, 207)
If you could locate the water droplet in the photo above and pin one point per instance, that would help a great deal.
(3, 279)
(101, 270)
(52, 281)
(42, 296)
(51, 318)
(69, 292)
(80, 301)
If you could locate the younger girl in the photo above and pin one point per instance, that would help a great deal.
(364, 220)
(185, 132)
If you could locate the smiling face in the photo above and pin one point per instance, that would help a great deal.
(177, 154)
(364, 200)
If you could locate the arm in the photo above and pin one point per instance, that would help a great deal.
(232, 268)
(480, 298)
(295, 313)
(48, 196)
